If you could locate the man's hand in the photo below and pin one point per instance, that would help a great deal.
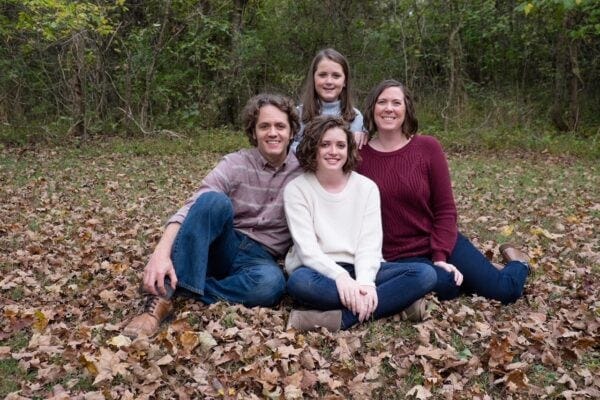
(458, 277)
(160, 265)
(156, 270)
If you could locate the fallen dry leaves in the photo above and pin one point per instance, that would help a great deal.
(78, 226)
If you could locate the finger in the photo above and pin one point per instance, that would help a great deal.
(352, 301)
(344, 297)
(149, 284)
(173, 278)
(362, 314)
(160, 287)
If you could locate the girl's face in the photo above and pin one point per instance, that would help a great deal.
(390, 110)
(333, 150)
(330, 80)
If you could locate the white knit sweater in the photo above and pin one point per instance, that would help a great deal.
(334, 227)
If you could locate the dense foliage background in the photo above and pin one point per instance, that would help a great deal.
(140, 67)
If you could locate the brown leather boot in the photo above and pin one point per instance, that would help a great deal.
(415, 312)
(510, 253)
(307, 320)
(156, 311)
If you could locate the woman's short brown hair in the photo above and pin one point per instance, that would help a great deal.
(410, 125)
(313, 135)
(251, 112)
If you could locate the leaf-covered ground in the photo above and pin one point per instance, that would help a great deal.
(77, 226)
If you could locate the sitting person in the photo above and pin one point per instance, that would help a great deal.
(417, 204)
(224, 243)
(335, 266)
(328, 91)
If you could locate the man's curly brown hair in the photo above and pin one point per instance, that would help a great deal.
(251, 112)
(313, 135)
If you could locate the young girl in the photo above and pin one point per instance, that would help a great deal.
(327, 92)
(335, 265)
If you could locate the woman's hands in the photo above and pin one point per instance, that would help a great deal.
(369, 300)
(361, 138)
(360, 299)
(458, 277)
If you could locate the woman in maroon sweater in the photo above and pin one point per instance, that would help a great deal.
(418, 210)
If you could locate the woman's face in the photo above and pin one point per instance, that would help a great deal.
(390, 110)
(329, 80)
(333, 150)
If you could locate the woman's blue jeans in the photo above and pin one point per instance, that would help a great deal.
(480, 276)
(398, 286)
(214, 262)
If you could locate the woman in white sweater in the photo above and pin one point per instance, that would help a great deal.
(335, 267)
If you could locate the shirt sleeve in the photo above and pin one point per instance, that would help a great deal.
(357, 124)
(217, 180)
(445, 230)
(368, 252)
(300, 222)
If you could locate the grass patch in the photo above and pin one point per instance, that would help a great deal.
(10, 376)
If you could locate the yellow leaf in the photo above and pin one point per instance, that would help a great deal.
(189, 340)
(88, 363)
(507, 230)
(41, 322)
(528, 8)
(536, 230)
(573, 219)
(119, 341)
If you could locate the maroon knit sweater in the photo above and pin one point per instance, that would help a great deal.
(417, 205)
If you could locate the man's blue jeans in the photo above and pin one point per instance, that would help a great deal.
(214, 262)
(398, 286)
(480, 276)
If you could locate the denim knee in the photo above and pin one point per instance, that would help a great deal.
(268, 286)
(216, 203)
(427, 278)
(298, 283)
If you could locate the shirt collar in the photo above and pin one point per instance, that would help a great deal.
(264, 164)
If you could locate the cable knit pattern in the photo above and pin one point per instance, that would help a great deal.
(417, 204)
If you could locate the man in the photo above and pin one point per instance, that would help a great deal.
(223, 244)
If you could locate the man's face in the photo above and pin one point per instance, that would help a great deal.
(273, 134)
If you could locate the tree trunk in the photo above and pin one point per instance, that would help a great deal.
(565, 108)
(78, 85)
(151, 71)
(456, 84)
(233, 102)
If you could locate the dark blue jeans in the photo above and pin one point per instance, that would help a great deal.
(215, 262)
(480, 276)
(398, 286)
